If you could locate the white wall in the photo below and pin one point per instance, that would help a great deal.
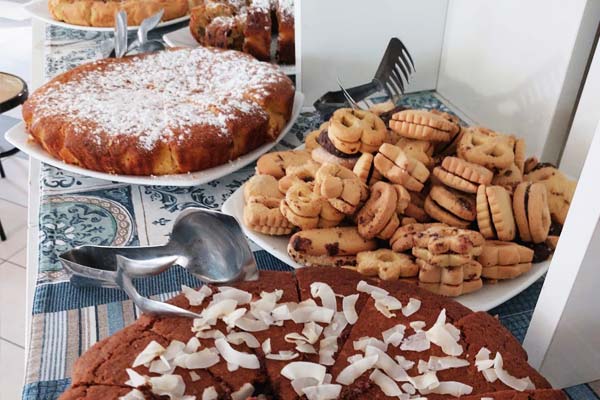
(516, 66)
(350, 36)
(585, 122)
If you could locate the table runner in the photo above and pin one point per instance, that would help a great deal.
(77, 210)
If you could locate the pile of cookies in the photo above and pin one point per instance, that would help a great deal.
(410, 194)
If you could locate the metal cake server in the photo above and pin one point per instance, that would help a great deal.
(142, 44)
(209, 244)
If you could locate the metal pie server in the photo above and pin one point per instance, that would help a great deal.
(209, 244)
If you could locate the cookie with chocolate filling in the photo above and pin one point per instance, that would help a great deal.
(530, 205)
(450, 207)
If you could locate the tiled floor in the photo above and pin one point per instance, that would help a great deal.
(13, 261)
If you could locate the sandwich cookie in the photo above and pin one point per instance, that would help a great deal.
(462, 175)
(495, 213)
(560, 189)
(450, 207)
(532, 215)
(365, 169)
(262, 214)
(393, 163)
(423, 125)
(326, 152)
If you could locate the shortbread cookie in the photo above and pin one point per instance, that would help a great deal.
(451, 207)
(263, 186)
(262, 214)
(560, 189)
(423, 125)
(301, 199)
(378, 212)
(453, 291)
(418, 149)
(532, 215)
(305, 173)
(386, 264)
(505, 271)
(462, 175)
(328, 247)
(403, 199)
(399, 168)
(365, 169)
(440, 239)
(520, 155)
(441, 260)
(340, 186)
(508, 178)
(404, 237)
(448, 275)
(416, 208)
(352, 131)
(495, 214)
(485, 147)
(496, 252)
(276, 163)
(329, 216)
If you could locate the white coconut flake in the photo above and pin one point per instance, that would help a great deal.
(200, 360)
(266, 346)
(371, 290)
(196, 297)
(312, 331)
(387, 364)
(161, 366)
(192, 345)
(304, 369)
(362, 343)
(327, 348)
(354, 358)
(490, 375)
(214, 311)
(324, 292)
(306, 348)
(167, 385)
(417, 325)
(404, 363)
(281, 313)
(135, 379)
(301, 383)
(210, 393)
(412, 307)
(323, 392)
(243, 393)
(194, 376)
(210, 334)
(349, 308)
(385, 383)
(440, 335)
(394, 335)
(243, 337)
(173, 350)
(451, 388)
(134, 394)
(244, 360)
(427, 381)
(442, 363)
(519, 384)
(231, 318)
(228, 292)
(408, 388)
(386, 304)
(416, 342)
(337, 325)
(422, 367)
(482, 359)
(284, 355)
(310, 313)
(356, 369)
(232, 367)
(251, 325)
(153, 350)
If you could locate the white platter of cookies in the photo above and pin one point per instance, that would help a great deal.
(413, 195)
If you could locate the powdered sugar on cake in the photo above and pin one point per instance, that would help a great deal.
(158, 97)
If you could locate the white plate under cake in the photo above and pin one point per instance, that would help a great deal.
(171, 112)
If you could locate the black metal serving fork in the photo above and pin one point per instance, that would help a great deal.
(391, 77)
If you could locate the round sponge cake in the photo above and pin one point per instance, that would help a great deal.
(170, 112)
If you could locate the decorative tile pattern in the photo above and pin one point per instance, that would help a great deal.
(77, 210)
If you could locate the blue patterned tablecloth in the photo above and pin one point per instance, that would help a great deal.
(76, 210)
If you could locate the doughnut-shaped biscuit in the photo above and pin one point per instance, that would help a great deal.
(301, 199)
(386, 264)
(377, 212)
(420, 150)
(305, 173)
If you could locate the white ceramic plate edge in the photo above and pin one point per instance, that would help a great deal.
(183, 38)
(18, 137)
(39, 10)
(490, 296)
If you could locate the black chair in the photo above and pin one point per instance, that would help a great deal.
(11, 101)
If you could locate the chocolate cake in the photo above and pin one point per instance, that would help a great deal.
(321, 333)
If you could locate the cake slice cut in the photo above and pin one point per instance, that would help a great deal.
(257, 30)
(286, 49)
